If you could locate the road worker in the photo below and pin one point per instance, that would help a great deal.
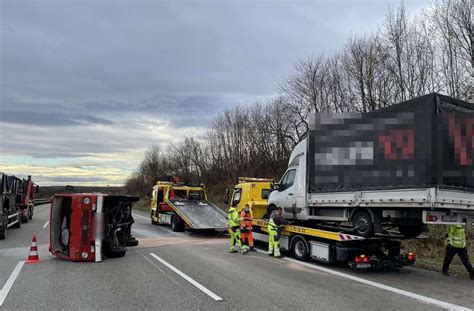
(246, 228)
(274, 232)
(456, 244)
(234, 230)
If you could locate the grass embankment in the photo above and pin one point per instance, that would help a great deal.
(143, 204)
(430, 252)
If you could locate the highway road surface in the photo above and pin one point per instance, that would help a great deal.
(190, 271)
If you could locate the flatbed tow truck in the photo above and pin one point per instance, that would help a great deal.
(308, 241)
(185, 207)
(380, 251)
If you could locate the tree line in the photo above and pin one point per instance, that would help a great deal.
(407, 57)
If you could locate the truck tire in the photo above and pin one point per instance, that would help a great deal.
(30, 213)
(111, 251)
(18, 224)
(3, 231)
(410, 231)
(300, 248)
(363, 224)
(177, 224)
(26, 218)
(151, 217)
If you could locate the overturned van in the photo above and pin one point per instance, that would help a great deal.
(89, 226)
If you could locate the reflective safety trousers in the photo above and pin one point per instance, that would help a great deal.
(274, 233)
(456, 236)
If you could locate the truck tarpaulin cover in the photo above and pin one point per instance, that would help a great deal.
(426, 141)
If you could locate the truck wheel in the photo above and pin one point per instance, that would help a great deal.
(410, 231)
(30, 213)
(177, 224)
(26, 218)
(112, 251)
(18, 224)
(363, 224)
(3, 231)
(300, 248)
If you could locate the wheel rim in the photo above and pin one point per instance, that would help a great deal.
(300, 248)
(362, 224)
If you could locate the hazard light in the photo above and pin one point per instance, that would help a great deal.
(411, 256)
(361, 258)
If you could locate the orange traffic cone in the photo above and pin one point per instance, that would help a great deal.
(33, 256)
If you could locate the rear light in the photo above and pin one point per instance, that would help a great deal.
(431, 218)
(411, 256)
(361, 258)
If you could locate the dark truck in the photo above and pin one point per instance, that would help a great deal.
(398, 167)
(10, 215)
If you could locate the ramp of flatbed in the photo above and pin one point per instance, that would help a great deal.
(201, 214)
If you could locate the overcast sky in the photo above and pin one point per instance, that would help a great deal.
(87, 86)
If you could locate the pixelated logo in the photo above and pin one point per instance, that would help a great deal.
(461, 136)
(398, 144)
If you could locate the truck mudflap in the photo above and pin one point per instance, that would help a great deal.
(200, 214)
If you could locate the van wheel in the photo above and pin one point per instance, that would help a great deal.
(270, 210)
(131, 242)
(362, 224)
(177, 224)
(300, 248)
(113, 251)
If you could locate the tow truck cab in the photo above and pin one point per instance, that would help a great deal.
(85, 226)
(251, 191)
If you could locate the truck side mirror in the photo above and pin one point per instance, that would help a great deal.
(37, 188)
(276, 186)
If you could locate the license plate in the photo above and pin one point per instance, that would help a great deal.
(449, 218)
(363, 265)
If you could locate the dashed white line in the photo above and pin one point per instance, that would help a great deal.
(424, 299)
(46, 224)
(187, 278)
(8, 285)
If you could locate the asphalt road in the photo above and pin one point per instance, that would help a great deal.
(191, 271)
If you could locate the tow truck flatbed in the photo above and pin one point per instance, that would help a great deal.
(184, 206)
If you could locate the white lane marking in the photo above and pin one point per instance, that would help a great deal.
(187, 278)
(140, 216)
(8, 285)
(46, 224)
(428, 300)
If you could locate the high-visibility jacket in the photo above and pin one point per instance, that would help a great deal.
(246, 222)
(233, 217)
(456, 236)
(272, 226)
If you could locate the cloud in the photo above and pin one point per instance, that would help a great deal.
(100, 81)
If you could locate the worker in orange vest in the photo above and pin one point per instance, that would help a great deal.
(246, 228)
